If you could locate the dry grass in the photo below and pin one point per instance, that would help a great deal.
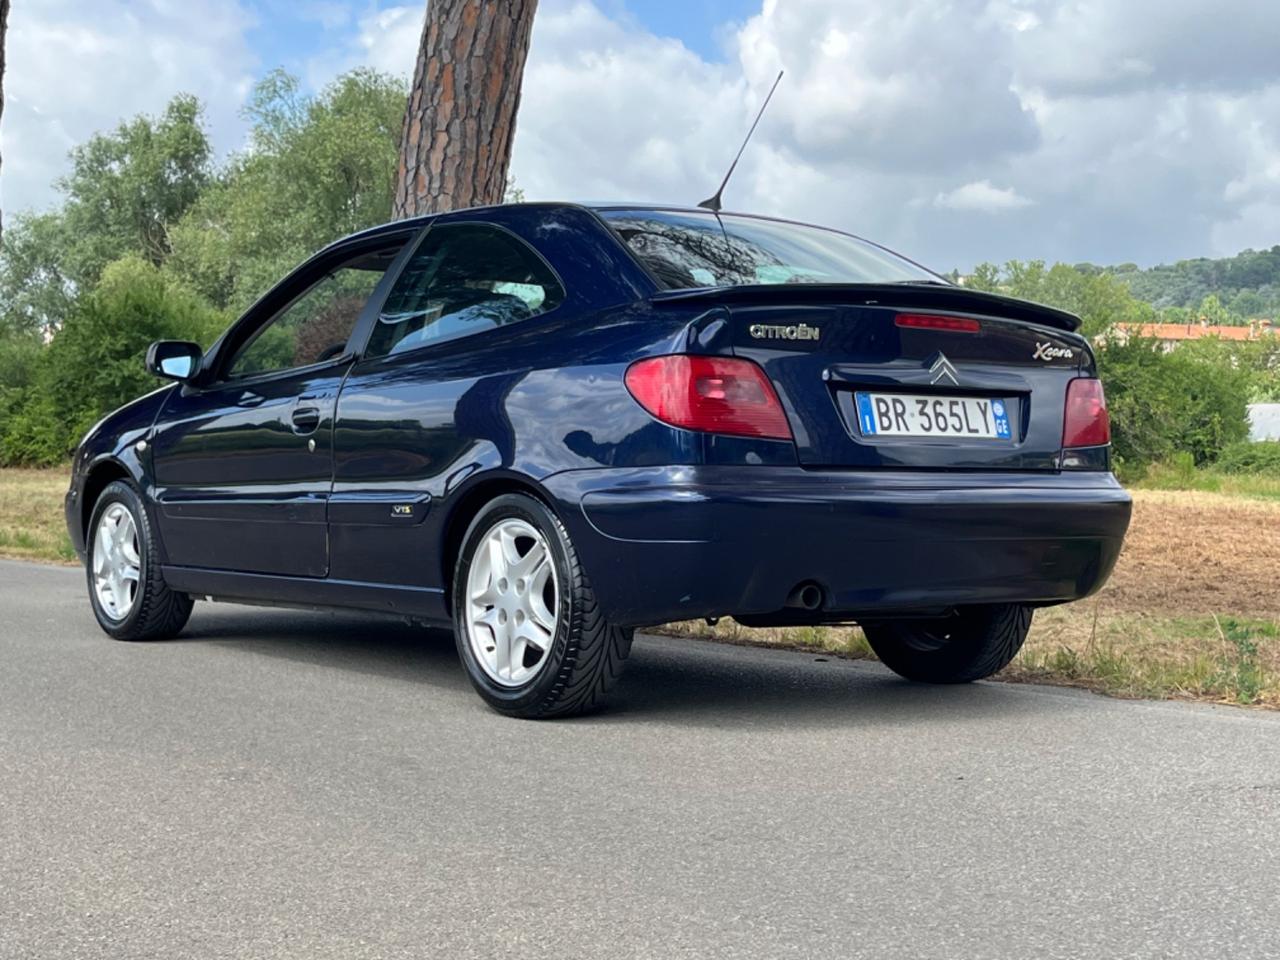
(1198, 553)
(31, 522)
(1207, 657)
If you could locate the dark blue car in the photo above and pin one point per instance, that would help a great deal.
(549, 424)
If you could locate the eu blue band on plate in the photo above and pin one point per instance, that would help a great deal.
(865, 415)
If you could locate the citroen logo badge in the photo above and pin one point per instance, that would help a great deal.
(943, 370)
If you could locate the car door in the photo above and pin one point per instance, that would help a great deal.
(243, 459)
(428, 392)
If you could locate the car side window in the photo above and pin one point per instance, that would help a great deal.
(464, 278)
(316, 325)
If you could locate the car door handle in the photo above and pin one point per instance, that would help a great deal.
(306, 419)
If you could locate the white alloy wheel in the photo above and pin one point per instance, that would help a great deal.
(117, 563)
(512, 602)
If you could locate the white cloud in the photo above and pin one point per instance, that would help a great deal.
(983, 197)
(75, 68)
(388, 39)
(329, 14)
(1144, 130)
(1106, 47)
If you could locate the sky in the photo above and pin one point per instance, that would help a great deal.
(955, 131)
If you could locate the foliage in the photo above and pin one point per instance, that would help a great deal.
(316, 169)
(1192, 400)
(35, 290)
(195, 240)
(1246, 285)
(1165, 403)
(125, 191)
(95, 363)
(19, 355)
(1258, 360)
(1247, 457)
(1097, 298)
(1229, 291)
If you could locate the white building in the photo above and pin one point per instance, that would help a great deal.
(1264, 421)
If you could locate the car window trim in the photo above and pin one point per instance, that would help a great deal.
(270, 376)
(303, 279)
(361, 353)
(368, 318)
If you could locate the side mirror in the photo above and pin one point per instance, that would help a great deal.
(174, 359)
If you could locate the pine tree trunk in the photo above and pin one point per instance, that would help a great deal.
(461, 116)
(4, 22)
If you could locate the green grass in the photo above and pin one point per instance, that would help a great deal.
(1181, 476)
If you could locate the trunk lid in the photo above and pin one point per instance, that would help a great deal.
(823, 347)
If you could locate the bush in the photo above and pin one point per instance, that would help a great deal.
(1167, 403)
(19, 354)
(95, 362)
(1246, 457)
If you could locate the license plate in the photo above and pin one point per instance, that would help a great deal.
(904, 415)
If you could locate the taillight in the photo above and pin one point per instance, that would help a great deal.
(1086, 423)
(932, 321)
(711, 394)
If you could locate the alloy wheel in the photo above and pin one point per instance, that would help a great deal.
(512, 602)
(117, 562)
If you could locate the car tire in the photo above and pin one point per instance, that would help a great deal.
(972, 644)
(506, 603)
(120, 537)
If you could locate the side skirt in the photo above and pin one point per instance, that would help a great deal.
(422, 603)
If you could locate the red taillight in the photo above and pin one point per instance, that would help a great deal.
(930, 321)
(711, 394)
(1086, 423)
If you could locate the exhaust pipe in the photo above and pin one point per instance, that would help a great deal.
(805, 596)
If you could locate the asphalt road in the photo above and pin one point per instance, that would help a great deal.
(280, 784)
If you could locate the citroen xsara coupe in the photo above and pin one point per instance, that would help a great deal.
(548, 424)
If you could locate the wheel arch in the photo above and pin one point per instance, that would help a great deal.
(466, 504)
(101, 475)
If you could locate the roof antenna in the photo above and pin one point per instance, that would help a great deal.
(713, 203)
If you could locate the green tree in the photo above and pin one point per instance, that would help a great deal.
(985, 277)
(1096, 297)
(1166, 403)
(128, 188)
(124, 193)
(35, 290)
(95, 361)
(1211, 309)
(317, 168)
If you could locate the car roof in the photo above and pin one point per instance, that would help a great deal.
(417, 222)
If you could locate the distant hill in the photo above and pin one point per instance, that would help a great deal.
(1246, 285)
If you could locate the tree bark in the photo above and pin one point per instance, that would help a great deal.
(461, 115)
(4, 22)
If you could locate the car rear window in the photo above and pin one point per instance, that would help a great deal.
(692, 249)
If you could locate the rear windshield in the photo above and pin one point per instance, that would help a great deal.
(685, 250)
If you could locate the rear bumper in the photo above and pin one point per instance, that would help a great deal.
(670, 543)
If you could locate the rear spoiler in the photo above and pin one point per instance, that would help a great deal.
(913, 296)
